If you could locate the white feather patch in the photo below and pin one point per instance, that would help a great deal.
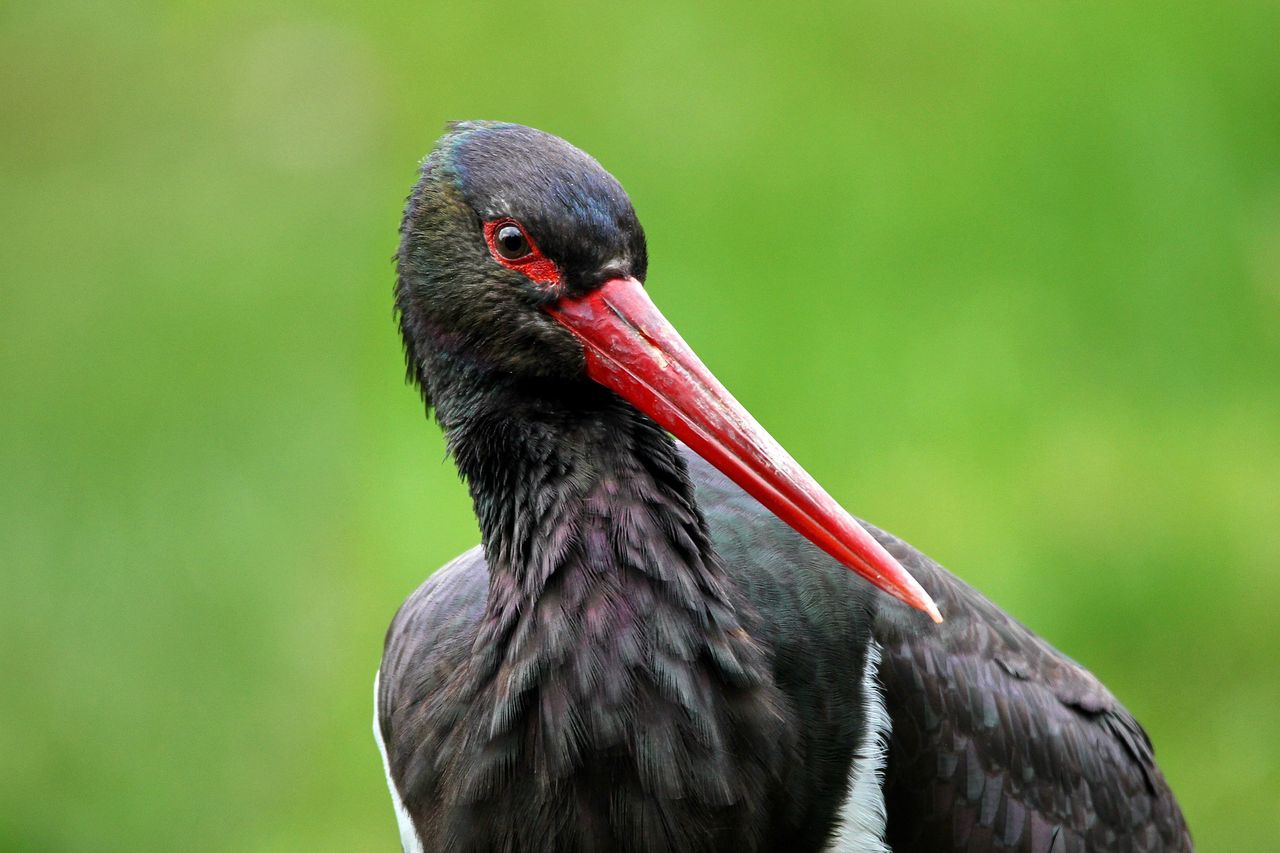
(408, 835)
(860, 826)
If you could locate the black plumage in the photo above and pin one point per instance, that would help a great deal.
(640, 657)
(1001, 742)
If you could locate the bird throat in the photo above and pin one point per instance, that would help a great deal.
(585, 502)
(612, 642)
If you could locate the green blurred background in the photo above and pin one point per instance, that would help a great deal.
(1005, 277)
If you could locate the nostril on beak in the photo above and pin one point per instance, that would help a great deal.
(616, 268)
(582, 283)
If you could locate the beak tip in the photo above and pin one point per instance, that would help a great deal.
(932, 610)
(915, 596)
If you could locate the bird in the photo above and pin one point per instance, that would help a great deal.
(670, 637)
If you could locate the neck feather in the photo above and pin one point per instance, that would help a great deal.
(566, 477)
(615, 657)
(600, 561)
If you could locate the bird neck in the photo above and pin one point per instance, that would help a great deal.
(568, 476)
(614, 655)
(591, 531)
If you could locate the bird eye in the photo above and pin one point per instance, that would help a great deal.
(511, 246)
(511, 242)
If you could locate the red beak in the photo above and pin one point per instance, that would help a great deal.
(632, 349)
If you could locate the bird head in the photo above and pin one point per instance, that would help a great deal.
(522, 259)
(505, 221)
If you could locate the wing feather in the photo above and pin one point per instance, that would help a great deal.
(1002, 743)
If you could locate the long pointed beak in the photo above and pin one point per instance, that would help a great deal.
(632, 349)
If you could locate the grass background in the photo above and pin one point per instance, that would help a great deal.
(1004, 276)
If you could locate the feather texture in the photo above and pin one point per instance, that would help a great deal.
(998, 742)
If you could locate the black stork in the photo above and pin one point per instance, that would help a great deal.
(659, 646)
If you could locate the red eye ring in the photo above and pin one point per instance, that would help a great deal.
(505, 250)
